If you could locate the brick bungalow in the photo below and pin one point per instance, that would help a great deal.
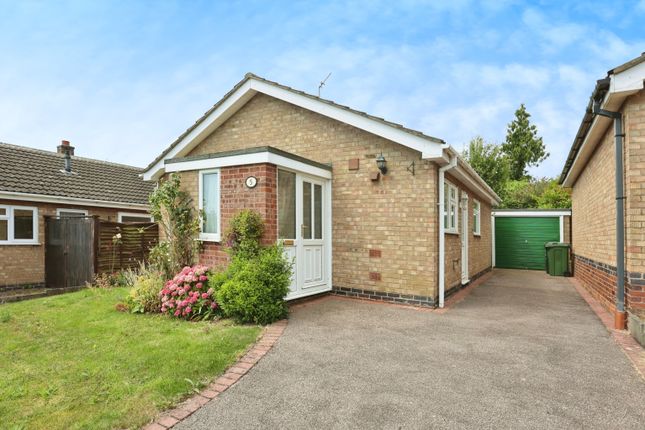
(36, 183)
(357, 201)
(590, 171)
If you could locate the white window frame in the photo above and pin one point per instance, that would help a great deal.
(477, 218)
(74, 211)
(451, 225)
(10, 225)
(120, 215)
(210, 237)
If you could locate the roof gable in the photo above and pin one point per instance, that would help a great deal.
(430, 147)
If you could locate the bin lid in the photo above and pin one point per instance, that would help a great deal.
(557, 245)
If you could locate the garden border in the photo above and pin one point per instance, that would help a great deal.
(265, 342)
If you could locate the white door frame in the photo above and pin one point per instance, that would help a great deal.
(465, 233)
(300, 287)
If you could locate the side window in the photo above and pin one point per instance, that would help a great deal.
(209, 204)
(476, 217)
(451, 204)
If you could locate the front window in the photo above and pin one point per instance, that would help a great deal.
(450, 208)
(477, 218)
(70, 213)
(18, 225)
(127, 217)
(209, 205)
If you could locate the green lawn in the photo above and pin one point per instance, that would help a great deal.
(73, 362)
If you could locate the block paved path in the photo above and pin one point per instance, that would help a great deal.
(523, 350)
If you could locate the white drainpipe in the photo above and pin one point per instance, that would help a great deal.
(442, 241)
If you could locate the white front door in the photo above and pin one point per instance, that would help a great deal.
(304, 228)
(465, 233)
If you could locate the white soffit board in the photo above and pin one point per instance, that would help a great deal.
(245, 159)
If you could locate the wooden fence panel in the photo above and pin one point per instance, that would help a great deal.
(127, 252)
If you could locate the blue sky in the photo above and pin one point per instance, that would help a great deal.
(122, 79)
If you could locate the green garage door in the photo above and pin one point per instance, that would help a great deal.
(519, 241)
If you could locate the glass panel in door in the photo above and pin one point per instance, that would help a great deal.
(306, 210)
(286, 205)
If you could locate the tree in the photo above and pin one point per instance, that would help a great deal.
(542, 193)
(554, 196)
(489, 161)
(523, 146)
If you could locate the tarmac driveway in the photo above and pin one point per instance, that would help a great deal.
(522, 351)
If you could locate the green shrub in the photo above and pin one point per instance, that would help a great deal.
(252, 290)
(244, 233)
(144, 295)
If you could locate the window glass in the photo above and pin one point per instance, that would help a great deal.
(286, 205)
(3, 211)
(476, 217)
(306, 210)
(210, 192)
(317, 212)
(23, 224)
(446, 205)
(4, 229)
(134, 218)
(69, 214)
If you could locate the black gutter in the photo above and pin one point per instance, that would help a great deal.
(599, 92)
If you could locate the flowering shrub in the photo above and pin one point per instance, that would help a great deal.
(188, 296)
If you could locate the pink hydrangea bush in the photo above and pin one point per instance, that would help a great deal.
(187, 295)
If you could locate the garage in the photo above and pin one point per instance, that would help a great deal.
(519, 236)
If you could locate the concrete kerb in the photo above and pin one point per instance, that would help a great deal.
(234, 373)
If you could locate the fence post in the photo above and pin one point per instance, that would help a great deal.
(96, 242)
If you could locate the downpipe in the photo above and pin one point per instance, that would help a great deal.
(442, 227)
(619, 317)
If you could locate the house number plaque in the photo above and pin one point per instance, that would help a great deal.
(251, 181)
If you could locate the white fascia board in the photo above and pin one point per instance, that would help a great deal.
(597, 129)
(621, 86)
(460, 173)
(629, 80)
(532, 214)
(246, 159)
(69, 201)
(427, 147)
(223, 112)
(235, 101)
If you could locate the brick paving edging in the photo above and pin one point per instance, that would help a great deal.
(269, 337)
(632, 349)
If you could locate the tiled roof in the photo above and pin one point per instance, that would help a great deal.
(34, 171)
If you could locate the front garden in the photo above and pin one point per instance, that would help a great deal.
(138, 341)
(73, 361)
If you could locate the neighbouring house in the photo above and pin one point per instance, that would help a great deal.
(35, 184)
(606, 171)
(366, 207)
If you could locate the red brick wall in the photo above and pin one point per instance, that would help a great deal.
(600, 280)
(235, 196)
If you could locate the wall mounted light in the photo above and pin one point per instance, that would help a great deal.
(381, 164)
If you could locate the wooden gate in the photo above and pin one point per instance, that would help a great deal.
(76, 248)
(69, 251)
